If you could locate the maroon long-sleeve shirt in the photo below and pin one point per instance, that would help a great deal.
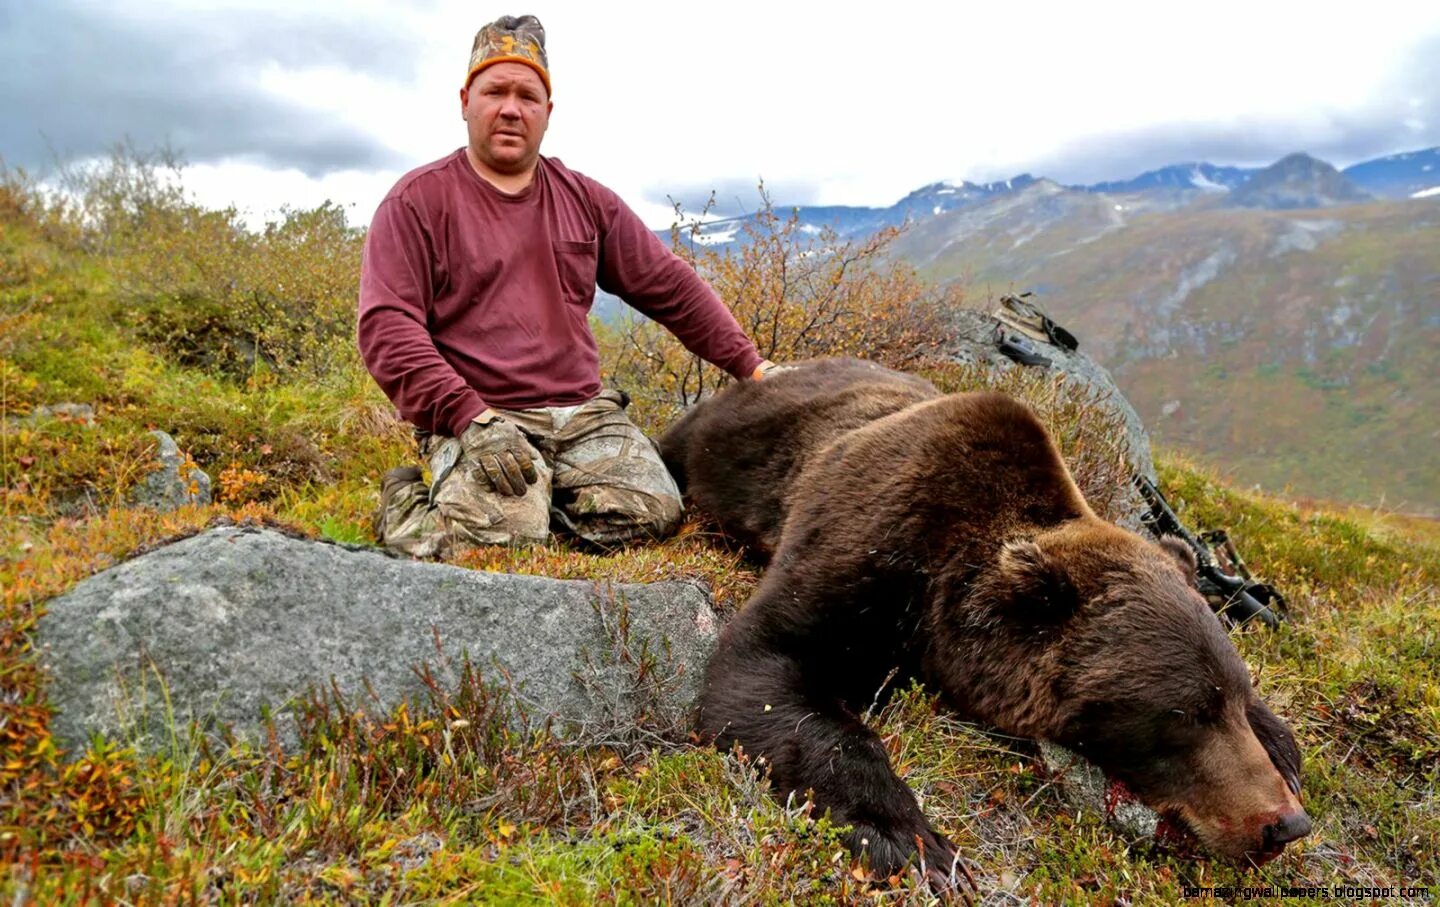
(470, 297)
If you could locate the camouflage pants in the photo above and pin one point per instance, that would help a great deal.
(600, 479)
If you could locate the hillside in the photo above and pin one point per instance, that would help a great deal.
(159, 315)
(1294, 349)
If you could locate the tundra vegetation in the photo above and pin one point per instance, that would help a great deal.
(124, 294)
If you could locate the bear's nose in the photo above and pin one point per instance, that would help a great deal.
(1287, 828)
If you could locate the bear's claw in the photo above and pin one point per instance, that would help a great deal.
(924, 850)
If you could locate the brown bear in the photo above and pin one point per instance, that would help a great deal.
(912, 534)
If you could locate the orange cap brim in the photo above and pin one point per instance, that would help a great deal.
(539, 70)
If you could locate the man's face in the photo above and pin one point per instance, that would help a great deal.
(506, 111)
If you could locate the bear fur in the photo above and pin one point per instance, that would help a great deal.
(913, 534)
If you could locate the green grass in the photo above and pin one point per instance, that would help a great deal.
(441, 802)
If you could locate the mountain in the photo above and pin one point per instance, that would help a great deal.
(1197, 175)
(1398, 175)
(1279, 322)
(1294, 348)
(938, 198)
(1297, 181)
(851, 222)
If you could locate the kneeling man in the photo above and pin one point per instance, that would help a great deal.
(475, 292)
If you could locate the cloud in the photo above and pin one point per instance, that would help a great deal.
(82, 77)
(1401, 114)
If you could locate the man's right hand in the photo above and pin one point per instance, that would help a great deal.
(766, 367)
(501, 452)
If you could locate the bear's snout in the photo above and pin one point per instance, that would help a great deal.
(1238, 780)
(1289, 827)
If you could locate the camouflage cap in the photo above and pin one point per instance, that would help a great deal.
(511, 39)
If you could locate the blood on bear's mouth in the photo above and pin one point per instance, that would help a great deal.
(1171, 831)
(1176, 836)
(1173, 834)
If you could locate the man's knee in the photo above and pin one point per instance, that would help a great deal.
(616, 514)
(474, 513)
(462, 509)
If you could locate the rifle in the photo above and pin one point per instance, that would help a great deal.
(1237, 598)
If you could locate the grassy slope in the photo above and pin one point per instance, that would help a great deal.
(1311, 371)
(437, 802)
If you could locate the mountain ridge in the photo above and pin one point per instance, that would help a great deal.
(1393, 176)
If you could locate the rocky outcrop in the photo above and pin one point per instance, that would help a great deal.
(236, 621)
(174, 482)
(83, 413)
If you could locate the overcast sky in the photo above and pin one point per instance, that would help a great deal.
(279, 102)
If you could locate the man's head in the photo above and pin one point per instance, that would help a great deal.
(511, 39)
(506, 97)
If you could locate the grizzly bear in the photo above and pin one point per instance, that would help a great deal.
(912, 534)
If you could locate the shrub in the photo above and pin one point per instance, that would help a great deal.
(197, 283)
(215, 295)
(797, 293)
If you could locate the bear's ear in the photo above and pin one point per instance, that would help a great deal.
(1035, 582)
(1183, 556)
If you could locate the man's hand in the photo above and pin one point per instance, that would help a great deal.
(767, 367)
(501, 452)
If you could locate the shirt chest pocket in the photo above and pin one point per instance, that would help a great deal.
(576, 261)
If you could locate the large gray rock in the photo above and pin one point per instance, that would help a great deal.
(236, 620)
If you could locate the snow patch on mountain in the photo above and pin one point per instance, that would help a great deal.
(718, 237)
(1200, 181)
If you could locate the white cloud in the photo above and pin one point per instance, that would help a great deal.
(261, 192)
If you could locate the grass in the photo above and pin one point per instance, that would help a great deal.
(442, 802)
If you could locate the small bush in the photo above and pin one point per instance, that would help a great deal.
(220, 297)
(196, 283)
(798, 294)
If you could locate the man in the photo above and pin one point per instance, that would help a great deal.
(478, 276)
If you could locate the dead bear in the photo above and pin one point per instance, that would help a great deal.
(914, 534)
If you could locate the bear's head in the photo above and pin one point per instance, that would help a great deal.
(1096, 639)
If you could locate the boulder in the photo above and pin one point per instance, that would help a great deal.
(239, 620)
(174, 482)
(1085, 787)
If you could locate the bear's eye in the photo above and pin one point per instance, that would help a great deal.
(1189, 717)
